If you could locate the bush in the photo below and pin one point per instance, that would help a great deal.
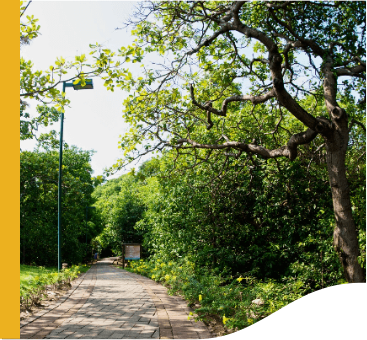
(32, 289)
(238, 301)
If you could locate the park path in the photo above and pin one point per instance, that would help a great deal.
(111, 303)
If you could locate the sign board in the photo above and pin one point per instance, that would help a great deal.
(132, 252)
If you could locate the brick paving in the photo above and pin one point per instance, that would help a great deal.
(172, 313)
(111, 303)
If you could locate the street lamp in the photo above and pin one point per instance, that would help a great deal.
(76, 86)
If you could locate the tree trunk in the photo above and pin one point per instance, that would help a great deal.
(345, 233)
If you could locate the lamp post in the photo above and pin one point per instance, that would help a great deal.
(76, 86)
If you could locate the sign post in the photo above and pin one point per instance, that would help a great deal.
(130, 251)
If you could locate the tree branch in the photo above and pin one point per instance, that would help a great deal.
(208, 41)
(353, 121)
(223, 112)
(289, 151)
(356, 71)
(25, 8)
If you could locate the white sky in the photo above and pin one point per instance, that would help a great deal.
(94, 120)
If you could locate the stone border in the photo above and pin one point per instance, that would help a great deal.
(44, 322)
(173, 313)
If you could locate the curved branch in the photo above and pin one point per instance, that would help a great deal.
(356, 71)
(289, 151)
(223, 112)
(30, 94)
(353, 121)
(253, 99)
(318, 50)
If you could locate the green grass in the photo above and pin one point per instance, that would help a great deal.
(29, 273)
(34, 279)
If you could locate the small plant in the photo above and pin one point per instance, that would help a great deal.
(35, 281)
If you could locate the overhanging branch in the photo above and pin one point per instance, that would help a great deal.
(289, 151)
(223, 112)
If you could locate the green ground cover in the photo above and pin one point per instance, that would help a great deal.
(35, 279)
(237, 301)
(28, 273)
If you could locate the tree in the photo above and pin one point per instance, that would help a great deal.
(119, 205)
(302, 93)
(38, 206)
(270, 223)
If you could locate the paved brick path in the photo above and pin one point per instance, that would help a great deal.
(111, 303)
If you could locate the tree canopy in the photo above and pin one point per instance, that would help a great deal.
(238, 81)
(119, 206)
(38, 206)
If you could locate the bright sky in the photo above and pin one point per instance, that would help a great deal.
(94, 121)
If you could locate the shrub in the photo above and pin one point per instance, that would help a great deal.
(33, 289)
(238, 301)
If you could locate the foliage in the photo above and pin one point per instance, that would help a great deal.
(203, 88)
(119, 206)
(33, 281)
(220, 294)
(38, 206)
(300, 96)
(270, 224)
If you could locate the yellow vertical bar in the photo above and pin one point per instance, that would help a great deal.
(9, 173)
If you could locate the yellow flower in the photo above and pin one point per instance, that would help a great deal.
(200, 297)
(225, 319)
(153, 276)
(240, 279)
(167, 277)
(250, 321)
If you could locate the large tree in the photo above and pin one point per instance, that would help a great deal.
(253, 79)
(38, 206)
